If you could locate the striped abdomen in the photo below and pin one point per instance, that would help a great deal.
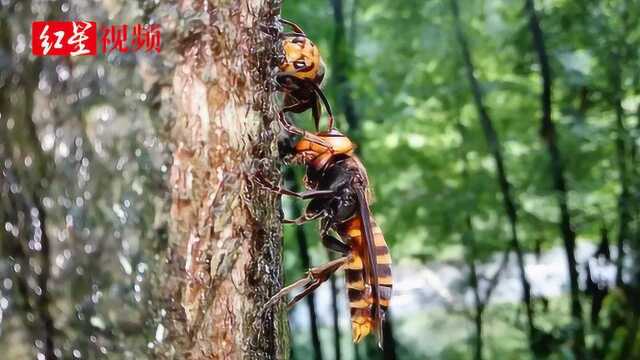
(360, 295)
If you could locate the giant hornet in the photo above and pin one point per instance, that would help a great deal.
(337, 184)
(301, 74)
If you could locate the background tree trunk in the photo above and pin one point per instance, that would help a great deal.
(341, 53)
(24, 208)
(225, 233)
(493, 143)
(549, 136)
(305, 261)
(337, 351)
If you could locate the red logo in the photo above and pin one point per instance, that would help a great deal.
(67, 38)
(74, 38)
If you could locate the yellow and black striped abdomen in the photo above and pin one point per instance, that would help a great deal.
(359, 291)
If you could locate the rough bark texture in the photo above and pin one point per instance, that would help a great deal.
(24, 208)
(225, 238)
(548, 133)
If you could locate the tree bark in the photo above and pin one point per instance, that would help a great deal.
(38, 192)
(24, 207)
(493, 143)
(14, 207)
(225, 251)
(549, 136)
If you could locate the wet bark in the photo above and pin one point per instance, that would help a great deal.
(23, 208)
(40, 171)
(225, 252)
(493, 143)
(13, 210)
(549, 136)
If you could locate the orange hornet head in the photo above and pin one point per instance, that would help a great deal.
(302, 59)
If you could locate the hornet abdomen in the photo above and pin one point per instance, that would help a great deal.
(359, 292)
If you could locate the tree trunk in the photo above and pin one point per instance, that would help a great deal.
(335, 318)
(548, 133)
(388, 341)
(493, 143)
(311, 298)
(622, 141)
(356, 353)
(225, 234)
(624, 199)
(23, 208)
(341, 56)
(632, 334)
(13, 210)
(636, 209)
(469, 244)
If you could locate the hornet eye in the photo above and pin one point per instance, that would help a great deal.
(299, 64)
(298, 40)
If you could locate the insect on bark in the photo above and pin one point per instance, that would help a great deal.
(337, 185)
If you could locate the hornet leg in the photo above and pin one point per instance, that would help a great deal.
(294, 130)
(332, 243)
(296, 28)
(310, 194)
(304, 218)
(315, 277)
(294, 83)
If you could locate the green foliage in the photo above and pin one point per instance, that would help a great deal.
(408, 83)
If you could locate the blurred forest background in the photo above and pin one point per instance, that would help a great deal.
(501, 139)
